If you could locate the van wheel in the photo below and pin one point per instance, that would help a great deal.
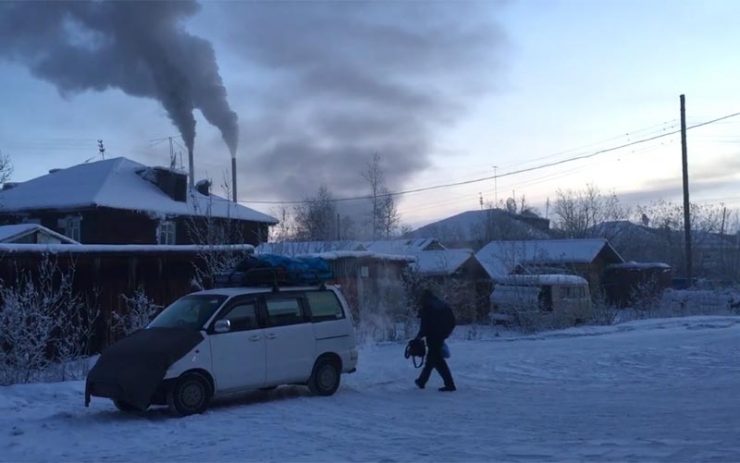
(190, 394)
(125, 407)
(325, 377)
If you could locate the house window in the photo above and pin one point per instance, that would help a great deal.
(166, 232)
(73, 227)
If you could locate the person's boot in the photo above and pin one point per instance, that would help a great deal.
(419, 384)
(448, 389)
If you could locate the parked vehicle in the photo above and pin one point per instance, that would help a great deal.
(557, 297)
(229, 340)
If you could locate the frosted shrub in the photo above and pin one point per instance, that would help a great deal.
(603, 313)
(42, 322)
(140, 310)
(27, 328)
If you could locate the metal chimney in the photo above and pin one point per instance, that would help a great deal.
(191, 176)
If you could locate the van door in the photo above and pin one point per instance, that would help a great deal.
(239, 355)
(289, 339)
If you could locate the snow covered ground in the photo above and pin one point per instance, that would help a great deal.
(650, 390)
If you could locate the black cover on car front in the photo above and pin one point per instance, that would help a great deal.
(131, 369)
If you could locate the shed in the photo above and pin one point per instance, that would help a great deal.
(585, 257)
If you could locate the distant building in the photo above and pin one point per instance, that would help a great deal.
(473, 229)
(585, 257)
(403, 246)
(119, 201)
(715, 255)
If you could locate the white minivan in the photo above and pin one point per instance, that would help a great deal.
(228, 340)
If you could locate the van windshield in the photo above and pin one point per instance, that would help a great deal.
(188, 312)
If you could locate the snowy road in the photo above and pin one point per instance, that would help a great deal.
(656, 390)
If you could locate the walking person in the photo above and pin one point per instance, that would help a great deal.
(437, 323)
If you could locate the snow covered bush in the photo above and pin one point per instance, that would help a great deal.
(140, 310)
(603, 313)
(43, 324)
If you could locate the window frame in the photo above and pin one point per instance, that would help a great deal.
(73, 227)
(235, 302)
(302, 305)
(324, 318)
(167, 232)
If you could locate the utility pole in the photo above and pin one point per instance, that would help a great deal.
(686, 203)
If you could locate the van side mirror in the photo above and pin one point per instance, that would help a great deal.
(222, 326)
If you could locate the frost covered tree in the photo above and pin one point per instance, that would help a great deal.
(316, 217)
(577, 212)
(384, 218)
(215, 238)
(6, 168)
(140, 310)
(42, 321)
(715, 252)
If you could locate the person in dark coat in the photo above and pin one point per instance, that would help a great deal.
(437, 323)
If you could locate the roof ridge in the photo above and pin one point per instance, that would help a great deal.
(114, 166)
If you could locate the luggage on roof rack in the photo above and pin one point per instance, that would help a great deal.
(276, 270)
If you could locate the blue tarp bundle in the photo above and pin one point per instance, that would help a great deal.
(266, 269)
(300, 270)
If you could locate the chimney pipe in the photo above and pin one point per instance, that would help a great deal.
(191, 177)
(233, 177)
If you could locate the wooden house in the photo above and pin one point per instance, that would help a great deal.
(120, 201)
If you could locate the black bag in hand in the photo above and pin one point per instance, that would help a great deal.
(416, 348)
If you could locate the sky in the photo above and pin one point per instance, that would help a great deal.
(443, 92)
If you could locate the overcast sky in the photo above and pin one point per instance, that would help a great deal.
(442, 91)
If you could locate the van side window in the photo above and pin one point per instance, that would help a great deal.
(324, 305)
(243, 317)
(284, 311)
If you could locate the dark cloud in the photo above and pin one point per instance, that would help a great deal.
(138, 47)
(347, 80)
(320, 86)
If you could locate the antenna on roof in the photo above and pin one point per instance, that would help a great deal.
(101, 148)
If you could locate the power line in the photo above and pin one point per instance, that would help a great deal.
(515, 172)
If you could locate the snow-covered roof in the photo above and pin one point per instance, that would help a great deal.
(335, 255)
(116, 183)
(536, 280)
(442, 262)
(632, 265)
(124, 248)
(299, 248)
(475, 225)
(15, 232)
(498, 258)
(403, 246)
